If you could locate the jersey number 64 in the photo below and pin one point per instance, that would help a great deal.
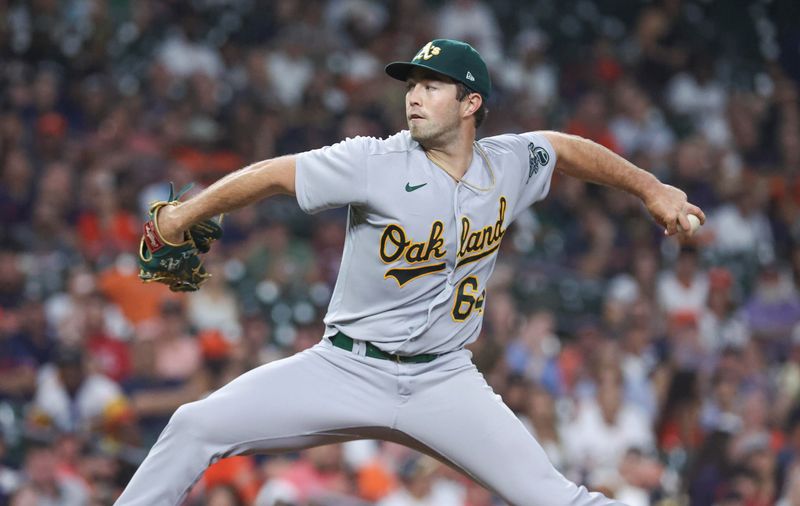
(467, 299)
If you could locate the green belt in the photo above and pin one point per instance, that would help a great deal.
(346, 343)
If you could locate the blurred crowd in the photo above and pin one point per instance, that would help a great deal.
(658, 370)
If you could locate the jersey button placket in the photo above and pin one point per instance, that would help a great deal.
(451, 276)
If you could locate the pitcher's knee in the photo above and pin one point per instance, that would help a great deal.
(187, 418)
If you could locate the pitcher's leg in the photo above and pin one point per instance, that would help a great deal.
(297, 402)
(461, 419)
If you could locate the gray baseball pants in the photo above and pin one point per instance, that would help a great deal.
(328, 395)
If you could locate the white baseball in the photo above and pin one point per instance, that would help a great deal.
(694, 223)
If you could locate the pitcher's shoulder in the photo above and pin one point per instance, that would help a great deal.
(514, 142)
(397, 143)
(370, 146)
(502, 143)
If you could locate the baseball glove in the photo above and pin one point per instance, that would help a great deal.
(176, 265)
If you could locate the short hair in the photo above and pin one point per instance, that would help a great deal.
(462, 92)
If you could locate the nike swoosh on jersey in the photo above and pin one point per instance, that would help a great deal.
(410, 188)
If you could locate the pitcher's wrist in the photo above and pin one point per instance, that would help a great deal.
(169, 225)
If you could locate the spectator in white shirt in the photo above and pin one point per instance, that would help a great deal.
(639, 125)
(474, 22)
(696, 94)
(742, 227)
(69, 398)
(289, 71)
(684, 289)
(605, 428)
(184, 53)
(531, 73)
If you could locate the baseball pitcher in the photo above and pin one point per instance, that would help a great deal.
(428, 210)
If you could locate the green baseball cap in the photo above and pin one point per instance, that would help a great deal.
(455, 59)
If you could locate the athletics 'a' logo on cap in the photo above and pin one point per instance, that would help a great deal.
(428, 52)
(470, 76)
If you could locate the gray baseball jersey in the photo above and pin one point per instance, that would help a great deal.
(420, 246)
(419, 251)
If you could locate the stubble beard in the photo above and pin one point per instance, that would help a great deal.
(422, 133)
(433, 134)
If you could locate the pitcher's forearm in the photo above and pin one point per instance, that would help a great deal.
(238, 189)
(587, 160)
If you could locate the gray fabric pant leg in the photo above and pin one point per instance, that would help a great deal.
(289, 404)
(459, 417)
(325, 395)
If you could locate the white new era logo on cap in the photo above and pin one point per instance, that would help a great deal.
(470, 76)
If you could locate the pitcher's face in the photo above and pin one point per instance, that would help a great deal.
(432, 110)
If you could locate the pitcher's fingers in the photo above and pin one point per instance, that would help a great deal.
(693, 209)
(683, 222)
(671, 227)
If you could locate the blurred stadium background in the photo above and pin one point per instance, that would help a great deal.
(658, 371)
